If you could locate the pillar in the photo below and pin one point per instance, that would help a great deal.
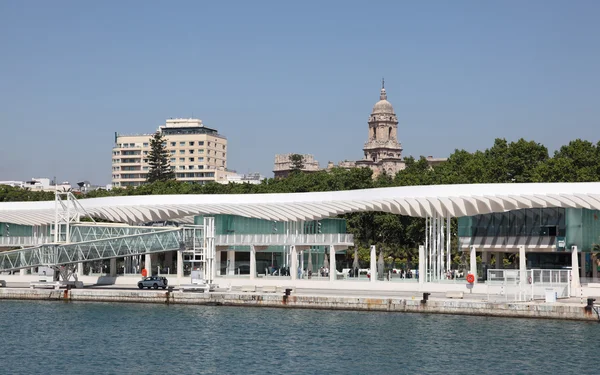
(574, 268)
(473, 263)
(522, 265)
(499, 260)
(231, 262)
(332, 268)
(22, 272)
(148, 264)
(154, 262)
(421, 264)
(179, 264)
(252, 262)
(302, 263)
(80, 267)
(373, 264)
(218, 262)
(294, 262)
(113, 267)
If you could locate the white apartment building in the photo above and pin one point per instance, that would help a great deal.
(198, 154)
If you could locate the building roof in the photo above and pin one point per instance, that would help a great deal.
(383, 106)
(418, 201)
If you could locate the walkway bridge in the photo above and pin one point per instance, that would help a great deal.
(93, 242)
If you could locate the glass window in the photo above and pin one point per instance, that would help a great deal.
(145, 144)
(172, 160)
(173, 144)
(181, 143)
(191, 143)
(182, 160)
(201, 158)
(191, 159)
(172, 152)
(200, 151)
(200, 143)
(191, 151)
(182, 152)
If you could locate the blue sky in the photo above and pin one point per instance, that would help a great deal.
(282, 76)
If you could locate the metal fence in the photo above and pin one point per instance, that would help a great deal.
(534, 284)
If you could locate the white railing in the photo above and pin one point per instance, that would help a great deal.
(285, 239)
(24, 240)
(535, 284)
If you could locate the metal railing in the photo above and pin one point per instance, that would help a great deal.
(25, 240)
(285, 239)
(534, 284)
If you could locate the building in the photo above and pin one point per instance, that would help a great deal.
(283, 164)
(39, 184)
(548, 234)
(250, 178)
(382, 151)
(198, 154)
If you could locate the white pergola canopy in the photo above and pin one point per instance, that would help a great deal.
(418, 201)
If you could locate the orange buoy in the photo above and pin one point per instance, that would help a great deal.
(470, 278)
(144, 272)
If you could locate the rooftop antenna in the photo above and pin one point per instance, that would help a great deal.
(382, 83)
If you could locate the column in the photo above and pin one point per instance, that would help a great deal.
(373, 264)
(522, 265)
(332, 268)
(22, 272)
(582, 257)
(421, 264)
(473, 263)
(302, 263)
(80, 266)
(113, 267)
(154, 262)
(179, 264)
(230, 262)
(252, 262)
(574, 269)
(499, 260)
(294, 262)
(148, 264)
(218, 262)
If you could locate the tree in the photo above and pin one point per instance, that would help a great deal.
(297, 162)
(160, 169)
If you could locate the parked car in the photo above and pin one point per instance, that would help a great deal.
(153, 282)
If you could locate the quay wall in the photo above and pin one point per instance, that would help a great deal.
(566, 311)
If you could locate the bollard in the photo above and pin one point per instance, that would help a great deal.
(425, 298)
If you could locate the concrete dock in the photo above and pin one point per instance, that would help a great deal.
(568, 309)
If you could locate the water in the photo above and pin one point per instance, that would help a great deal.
(97, 338)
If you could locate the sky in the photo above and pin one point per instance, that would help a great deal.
(282, 76)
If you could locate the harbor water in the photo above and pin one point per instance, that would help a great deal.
(102, 338)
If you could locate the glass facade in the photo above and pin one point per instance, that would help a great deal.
(574, 226)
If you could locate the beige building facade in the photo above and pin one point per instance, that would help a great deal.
(197, 154)
(283, 165)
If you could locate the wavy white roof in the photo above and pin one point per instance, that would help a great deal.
(419, 201)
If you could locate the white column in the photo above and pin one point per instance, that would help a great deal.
(179, 264)
(522, 265)
(113, 267)
(574, 268)
(22, 272)
(332, 269)
(252, 262)
(148, 264)
(422, 264)
(294, 262)
(79, 269)
(218, 262)
(473, 263)
(373, 264)
(302, 263)
(448, 244)
(231, 262)
(499, 261)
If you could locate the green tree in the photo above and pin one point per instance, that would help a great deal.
(297, 162)
(160, 169)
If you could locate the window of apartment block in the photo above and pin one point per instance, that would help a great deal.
(145, 168)
(145, 160)
(201, 151)
(182, 152)
(145, 152)
(172, 160)
(200, 143)
(182, 160)
(191, 143)
(172, 167)
(181, 143)
(172, 152)
(145, 144)
(191, 151)
(132, 145)
(191, 159)
(173, 144)
(182, 167)
(201, 158)
(164, 144)
(200, 167)
(191, 167)
(208, 144)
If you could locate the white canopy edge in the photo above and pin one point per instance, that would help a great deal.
(418, 201)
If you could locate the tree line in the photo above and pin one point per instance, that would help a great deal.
(399, 236)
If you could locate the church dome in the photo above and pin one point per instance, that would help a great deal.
(383, 106)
